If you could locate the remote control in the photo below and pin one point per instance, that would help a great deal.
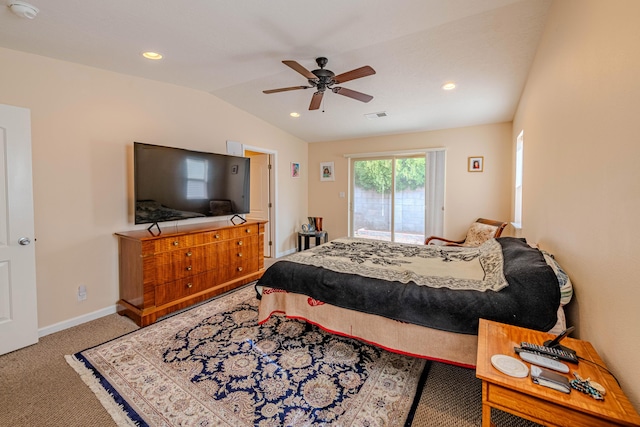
(550, 351)
(537, 359)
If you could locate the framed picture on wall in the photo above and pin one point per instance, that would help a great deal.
(476, 164)
(326, 172)
(295, 170)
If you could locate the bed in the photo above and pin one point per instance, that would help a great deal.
(420, 300)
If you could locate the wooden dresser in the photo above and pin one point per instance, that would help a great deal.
(184, 265)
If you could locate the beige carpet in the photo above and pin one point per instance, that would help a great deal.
(452, 396)
(38, 388)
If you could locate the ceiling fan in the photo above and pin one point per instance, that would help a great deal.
(323, 79)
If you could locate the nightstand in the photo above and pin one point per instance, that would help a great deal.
(306, 235)
(543, 405)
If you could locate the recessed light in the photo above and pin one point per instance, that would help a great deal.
(294, 114)
(23, 10)
(152, 55)
(449, 86)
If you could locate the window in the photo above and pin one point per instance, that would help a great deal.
(517, 211)
(196, 179)
(396, 197)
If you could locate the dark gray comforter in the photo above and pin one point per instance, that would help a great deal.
(531, 298)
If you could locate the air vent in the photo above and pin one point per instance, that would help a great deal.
(372, 116)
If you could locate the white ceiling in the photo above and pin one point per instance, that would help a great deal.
(233, 49)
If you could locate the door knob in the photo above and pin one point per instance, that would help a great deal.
(24, 241)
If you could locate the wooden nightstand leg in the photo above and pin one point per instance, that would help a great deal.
(486, 409)
(486, 416)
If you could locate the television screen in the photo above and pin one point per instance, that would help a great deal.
(173, 183)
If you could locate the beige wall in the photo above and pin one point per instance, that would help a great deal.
(581, 184)
(84, 122)
(469, 195)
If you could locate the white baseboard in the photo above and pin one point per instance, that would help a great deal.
(285, 253)
(66, 324)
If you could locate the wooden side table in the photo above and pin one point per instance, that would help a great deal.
(317, 234)
(543, 405)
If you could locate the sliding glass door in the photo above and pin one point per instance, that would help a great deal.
(372, 197)
(390, 194)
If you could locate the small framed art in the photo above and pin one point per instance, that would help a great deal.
(476, 164)
(326, 172)
(295, 170)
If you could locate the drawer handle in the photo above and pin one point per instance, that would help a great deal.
(240, 243)
(217, 236)
(239, 268)
(189, 285)
(189, 268)
(240, 254)
(248, 230)
(189, 253)
(176, 243)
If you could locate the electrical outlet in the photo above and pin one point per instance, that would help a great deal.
(82, 293)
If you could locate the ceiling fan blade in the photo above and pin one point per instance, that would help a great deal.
(284, 89)
(352, 94)
(316, 100)
(299, 68)
(354, 74)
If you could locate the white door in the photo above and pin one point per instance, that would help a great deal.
(18, 304)
(260, 199)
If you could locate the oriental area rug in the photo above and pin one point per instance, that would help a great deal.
(213, 365)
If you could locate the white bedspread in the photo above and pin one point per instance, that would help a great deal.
(457, 268)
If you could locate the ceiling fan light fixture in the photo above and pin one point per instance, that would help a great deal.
(294, 114)
(152, 55)
(449, 86)
(23, 10)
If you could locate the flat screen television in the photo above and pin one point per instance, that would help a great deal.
(174, 184)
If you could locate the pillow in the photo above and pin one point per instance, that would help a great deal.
(479, 233)
(566, 288)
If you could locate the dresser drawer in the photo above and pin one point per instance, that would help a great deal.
(186, 241)
(241, 268)
(187, 262)
(216, 236)
(244, 246)
(244, 230)
(239, 256)
(184, 287)
(173, 243)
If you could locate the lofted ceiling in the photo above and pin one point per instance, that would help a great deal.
(234, 50)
